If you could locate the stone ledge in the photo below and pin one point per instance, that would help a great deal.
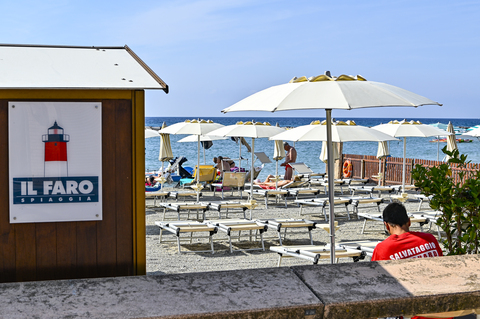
(350, 290)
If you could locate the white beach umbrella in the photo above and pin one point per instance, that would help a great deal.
(451, 140)
(250, 129)
(165, 153)
(203, 138)
(151, 133)
(409, 129)
(475, 132)
(326, 92)
(324, 153)
(195, 127)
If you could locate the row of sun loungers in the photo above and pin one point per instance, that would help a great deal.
(231, 226)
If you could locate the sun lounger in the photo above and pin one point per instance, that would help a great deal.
(180, 208)
(160, 195)
(372, 189)
(337, 182)
(184, 194)
(227, 205)
(357, 201)
(207, 174)
(230, 180)
(422, 198)
(414, 218)
(284, 223)
(322, 203)
(179, 227)
(431, 218)
(366, 246)
(314, 253)
(228, 226)
(270, 192)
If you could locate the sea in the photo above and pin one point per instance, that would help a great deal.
(307, 152)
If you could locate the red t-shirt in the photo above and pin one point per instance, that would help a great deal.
(407, 245)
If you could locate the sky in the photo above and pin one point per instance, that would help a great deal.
(213, 53)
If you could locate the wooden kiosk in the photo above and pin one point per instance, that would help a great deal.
(112, 242)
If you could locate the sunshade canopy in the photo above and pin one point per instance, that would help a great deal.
(325, 92)
(151, 133)
(248, 129)
(347, 131)
(410, 129)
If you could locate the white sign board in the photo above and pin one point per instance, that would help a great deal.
(55, 161)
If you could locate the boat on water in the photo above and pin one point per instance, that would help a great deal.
(459, 140)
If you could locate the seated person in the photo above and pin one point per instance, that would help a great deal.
(225, 159)
(150, 182)
(271, 184)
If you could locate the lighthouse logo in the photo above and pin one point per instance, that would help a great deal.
(56, 186)
(56, 161)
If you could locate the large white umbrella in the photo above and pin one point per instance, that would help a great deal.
(165, 153)
(451, 140)
(474, 132)
(326, 92)
(347, 131)
(195, 127)
(249, 129)
(409, 129)
(203, 138)
(151, 133)
(324, 152)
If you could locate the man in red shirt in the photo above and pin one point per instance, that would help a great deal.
(402, 243)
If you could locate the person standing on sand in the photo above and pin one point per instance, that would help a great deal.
(291, 157)
(402, 243)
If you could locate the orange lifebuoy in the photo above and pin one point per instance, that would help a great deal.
(347, 169)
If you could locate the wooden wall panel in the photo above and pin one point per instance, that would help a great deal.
(46, 250)
(66, 250)
(7, 231)
(107, 228)
(123, 163)
(43, 251)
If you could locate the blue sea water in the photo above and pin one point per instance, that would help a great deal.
(308, 152)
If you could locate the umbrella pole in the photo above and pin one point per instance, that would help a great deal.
(438, 147)
(252, 172)
(404, 163)
(198, 168)
(240, 155)
(331, 186)
(276, 174)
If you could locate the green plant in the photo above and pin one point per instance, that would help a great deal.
(457, 198)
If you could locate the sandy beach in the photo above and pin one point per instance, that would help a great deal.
(163, 258)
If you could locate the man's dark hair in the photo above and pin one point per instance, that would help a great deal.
(395, 214)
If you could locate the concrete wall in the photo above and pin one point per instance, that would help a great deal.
(349, 290)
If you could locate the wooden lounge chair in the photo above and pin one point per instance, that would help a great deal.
(207, 174)
(230, 180)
